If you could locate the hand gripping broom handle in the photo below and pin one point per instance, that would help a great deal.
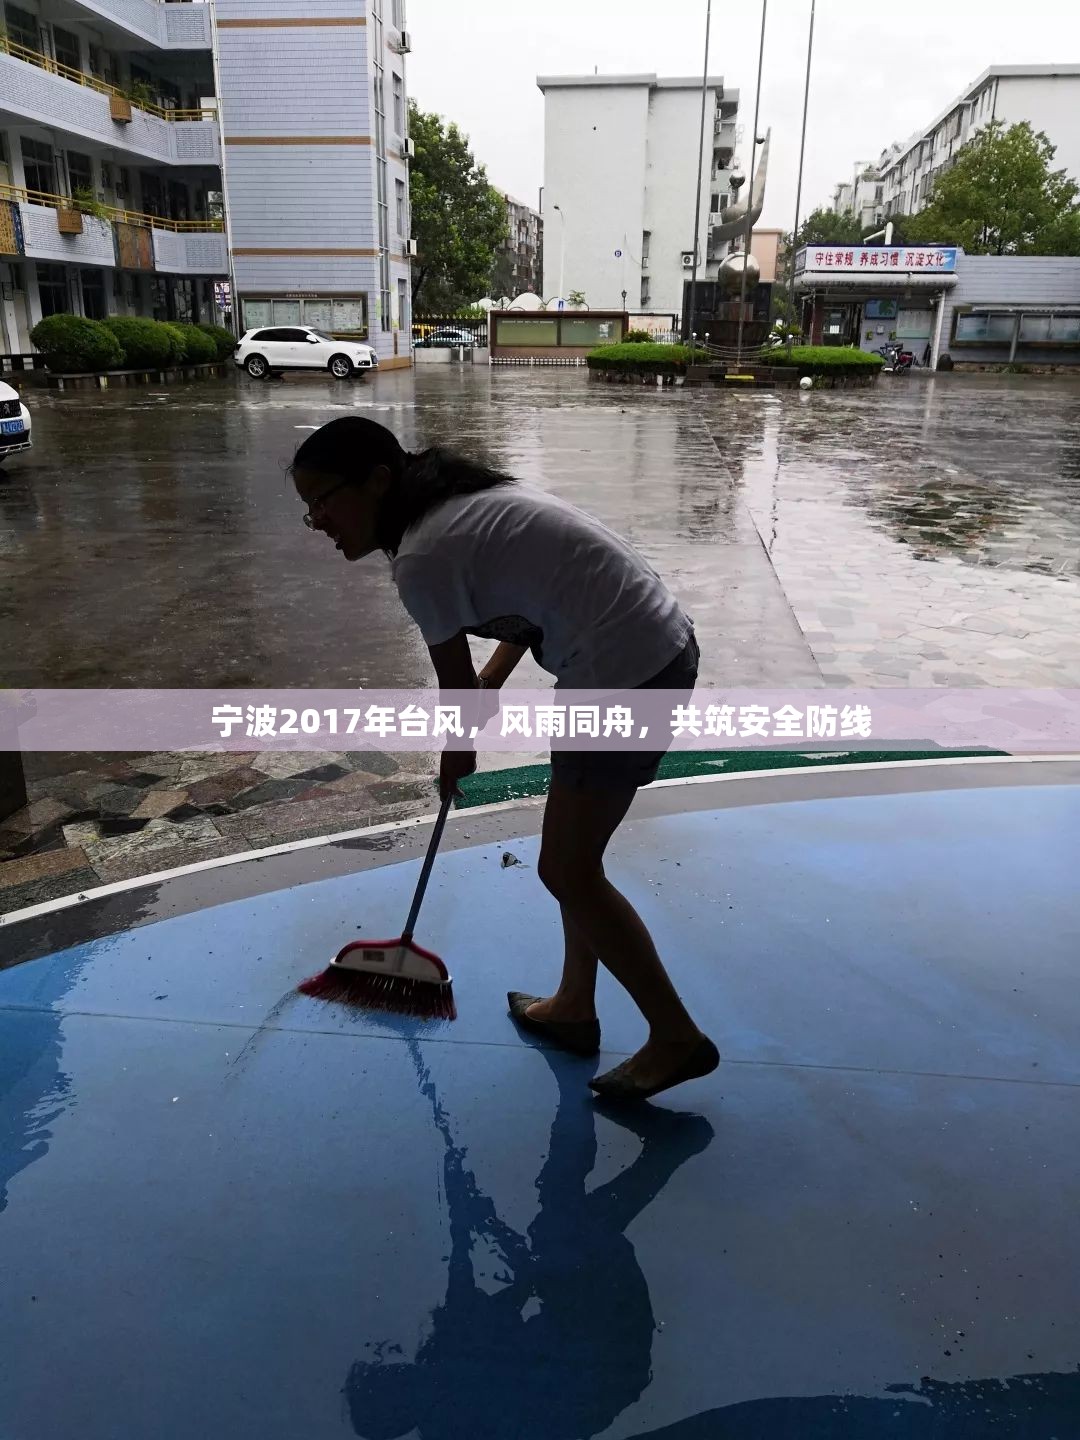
(429, 861)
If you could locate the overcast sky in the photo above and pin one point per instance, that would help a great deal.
(882, 68)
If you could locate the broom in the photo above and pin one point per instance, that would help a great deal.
(394, 975)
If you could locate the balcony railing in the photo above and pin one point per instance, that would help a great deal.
(111, 212)
(94, 82)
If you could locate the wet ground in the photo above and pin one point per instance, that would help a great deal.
(925, 532)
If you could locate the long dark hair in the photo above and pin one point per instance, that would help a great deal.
(351, 447)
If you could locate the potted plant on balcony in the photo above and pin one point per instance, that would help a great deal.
(69, 218)
(87, 203)
(141, 95)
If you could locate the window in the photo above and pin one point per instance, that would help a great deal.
(66, 48)
(399, 106)
(991, 329)
(53, 290)
(646, 237)
(93, 294)
(1035, 329)
(397, 15)
(22, 27)
(80, 172)
(1065, 329)
(403, 303)
(399, 198)
(39, 167)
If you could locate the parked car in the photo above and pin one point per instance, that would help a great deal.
(448, 336)
(14, 423)
(267, 351)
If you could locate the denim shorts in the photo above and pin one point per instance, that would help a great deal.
(590, 768)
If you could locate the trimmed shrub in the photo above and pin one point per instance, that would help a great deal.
(177, 341)
(145, 343)
(224, 339)
(199, 349)
(636, 337)
(71, 343)
(823, 359)
(637, 355)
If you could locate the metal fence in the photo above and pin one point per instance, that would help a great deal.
(448, 331)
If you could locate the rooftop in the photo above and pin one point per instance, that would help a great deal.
(654, 82)
(900, 150)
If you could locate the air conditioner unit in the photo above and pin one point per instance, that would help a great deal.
(688, 259)
(408, 149)
(411, 249)
(404, 43)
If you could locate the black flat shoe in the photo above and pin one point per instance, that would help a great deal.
(617, 1085)
(580, 1037)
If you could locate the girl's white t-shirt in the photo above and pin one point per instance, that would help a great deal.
(514, 563)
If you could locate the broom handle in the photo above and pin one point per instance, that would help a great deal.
(429, 861)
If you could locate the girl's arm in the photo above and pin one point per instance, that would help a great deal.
(504, 661)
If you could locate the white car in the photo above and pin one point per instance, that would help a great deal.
(270, 349)
(14, 423)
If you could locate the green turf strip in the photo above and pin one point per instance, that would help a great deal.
(514, 783)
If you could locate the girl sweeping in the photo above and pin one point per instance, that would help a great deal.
(474, 553)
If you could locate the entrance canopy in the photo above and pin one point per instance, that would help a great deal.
(876, 268)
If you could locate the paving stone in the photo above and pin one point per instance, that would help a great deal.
(48, 887)
(156, 803)
(35, 867)
(269, 792)
(224, 786)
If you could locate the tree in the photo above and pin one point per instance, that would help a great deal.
(458, 218)
(829, 227)
(1000, 197)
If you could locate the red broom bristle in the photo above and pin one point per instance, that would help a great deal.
(396, 994)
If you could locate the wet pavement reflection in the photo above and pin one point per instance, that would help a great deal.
(925, 532)
(152, 538)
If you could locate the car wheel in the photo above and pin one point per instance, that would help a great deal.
(341, 367)
(257, 367)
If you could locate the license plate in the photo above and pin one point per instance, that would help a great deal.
(11, 427)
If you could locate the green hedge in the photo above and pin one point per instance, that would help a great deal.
(199, 348)
(224, 340)
(822, 359)
(652, 358)
(144, 343)
(71, 343)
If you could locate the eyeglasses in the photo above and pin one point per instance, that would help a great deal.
(318, 505)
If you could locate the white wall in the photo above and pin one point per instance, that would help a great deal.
(671, 178)
(1050, 103)
(594, 169)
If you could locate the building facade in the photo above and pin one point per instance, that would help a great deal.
(936, 300)
(151, 150)
(861, 196)
(902, 181)
(519, 264)
(620, 183)
(110, 163)
(315, 126)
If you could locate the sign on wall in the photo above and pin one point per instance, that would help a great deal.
(877, 259)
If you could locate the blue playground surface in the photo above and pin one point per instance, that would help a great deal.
(230, 1210)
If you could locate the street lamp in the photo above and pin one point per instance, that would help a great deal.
(562, 252)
